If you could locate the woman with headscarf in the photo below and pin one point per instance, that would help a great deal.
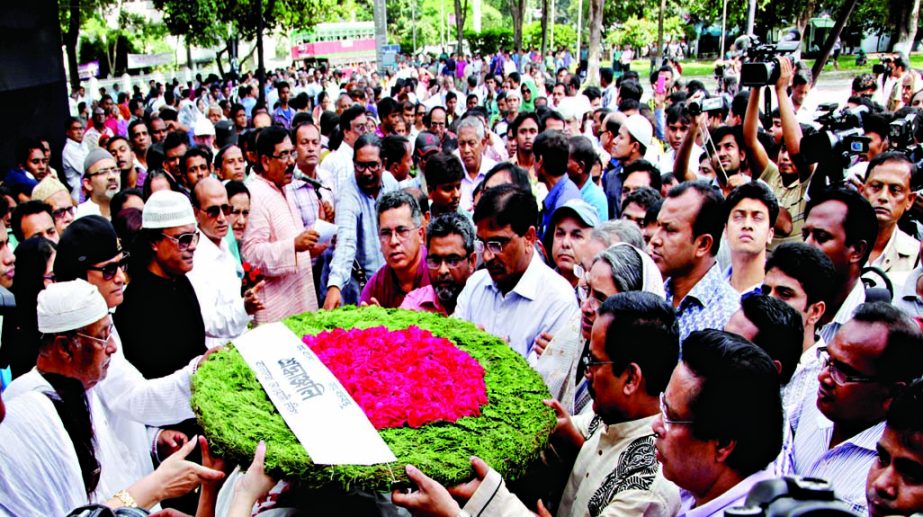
(617, 269)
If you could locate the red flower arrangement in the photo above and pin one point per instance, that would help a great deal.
(252, 276)
(403, 376)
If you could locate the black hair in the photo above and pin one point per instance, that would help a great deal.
(349, 114)
(643, 331)
(734, 373)
(592, 93)
(902, 358)
(581, 150)
(133, 124)
(175, 139)
(518, 175)
(780, 330)
(154, 174)
(442, 168)
(396, 199)
(710, 219)
(192, 152)
(717, 135)
(630, 90)
(25, 209)
(387, 106)
(508, 205)
(629, 105)
(644, 166)
(552, 148)
(739, 103)
(393, 149)
(605, 75)
(860, 224)
(895, 157)
(548, 115)
(905, 416)
(28, 281)
(329, 121)
(753, 190)
(219, 156)
(677, 113)
(235, 187)
(645, 197)
(267, 140)
(810, 266)
(118, 200)
(452, 223)
(366, 140)
(522, 117)
(877, 123)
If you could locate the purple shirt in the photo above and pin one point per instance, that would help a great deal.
(384, 286)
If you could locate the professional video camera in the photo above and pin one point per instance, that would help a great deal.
(840, 138)
(792, 496)
(883, 67)
(904, 133)
(762, 66)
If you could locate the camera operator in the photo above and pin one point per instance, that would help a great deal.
(888, 189)
(892, 86)
(864, 86)
(786, 181)
(801, 88)
(876, 128)
(724, 145)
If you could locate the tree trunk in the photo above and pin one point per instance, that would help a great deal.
(545, 7)
(801, 23)
(70, 43)
(825, 52)
(596, 27)
(517, 12)
(906, 14)
(461, 10)
(218, 60)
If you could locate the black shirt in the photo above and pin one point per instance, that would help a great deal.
(160, 324)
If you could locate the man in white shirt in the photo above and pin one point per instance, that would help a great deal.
(214, 269)
(75, 152)
(472, 138)
(339, 163)
(720, 423)
(102, 181)
(516, 297)
(888, 188)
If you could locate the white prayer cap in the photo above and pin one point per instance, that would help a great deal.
(65, 306)
(640, 129)
(167, 209)
(203, 127)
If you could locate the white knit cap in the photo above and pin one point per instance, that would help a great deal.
(203, 127)
(65, 306)
(166, 209)
(640, 129)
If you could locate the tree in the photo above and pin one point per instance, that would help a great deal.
(518, 13)
(906, 14)
(841, 19)
(70, 14)
(461, 10)
(596, 26)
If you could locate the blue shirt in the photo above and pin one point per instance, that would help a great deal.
(357, 232)
(709, 305)
(612, 187)
(595, 196)
(562, 192)
(283, 116)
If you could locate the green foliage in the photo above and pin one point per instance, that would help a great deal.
(512, 430)
(490, 40)
(564, 35)
(639, 32)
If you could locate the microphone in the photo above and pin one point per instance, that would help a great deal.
(310, 181)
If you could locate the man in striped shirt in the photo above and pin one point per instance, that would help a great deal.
(872, 359)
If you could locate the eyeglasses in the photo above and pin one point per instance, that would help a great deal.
(284, 156)
(667, 421)
(402, 232)
(100, 172)
(184, 240)
(102, 341)
(588, 362)
(215, 210)
(109, 270)
(452, 261)
(364, 166)
(61, 212)
(494, 246)
(838, 375)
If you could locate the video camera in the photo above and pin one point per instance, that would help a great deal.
(709, 105)
(904, 133)
(882, 67)
(840, 138)
(762, 66)
(792, 496)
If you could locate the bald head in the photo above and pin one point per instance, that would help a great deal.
(212, 209)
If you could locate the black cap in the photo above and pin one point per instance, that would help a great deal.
(87, 241)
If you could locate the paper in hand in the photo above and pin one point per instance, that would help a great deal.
(325, 231)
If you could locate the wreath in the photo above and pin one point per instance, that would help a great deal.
(508, 430)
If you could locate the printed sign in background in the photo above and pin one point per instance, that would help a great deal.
(329, 424)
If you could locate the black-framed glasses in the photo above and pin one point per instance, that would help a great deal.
(588, 362)
(364, 166)
(215, 210)
(402, 232)
(109, 270)
(284, 156)
(839, 376)
(100, 172)
(61, 212)
(452, 261)
(184, 240)
(667, 421)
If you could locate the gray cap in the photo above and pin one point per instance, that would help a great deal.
(95, 156)
(584, 212)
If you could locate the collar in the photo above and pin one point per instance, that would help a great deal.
(866, 439)
(555, 192)
(856, 297)
(731, 496)
(259, 177)
(630, 429)
(705, 290)
(529, 285)
(909, 289)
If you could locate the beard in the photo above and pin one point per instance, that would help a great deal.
(447, 293)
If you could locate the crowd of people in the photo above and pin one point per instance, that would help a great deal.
(709, 306)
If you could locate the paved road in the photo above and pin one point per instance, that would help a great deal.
(831, 87)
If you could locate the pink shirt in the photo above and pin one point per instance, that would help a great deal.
(423, 299)
(269, 244)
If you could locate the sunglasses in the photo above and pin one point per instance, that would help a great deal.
(111, 269)
(184, 240)
(214, 211)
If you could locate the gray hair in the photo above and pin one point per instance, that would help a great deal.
(472, 122)
(397, 199)
(452, 223)
(626, 266)
(618, 230)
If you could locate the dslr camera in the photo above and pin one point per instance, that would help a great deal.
(840, 138)
(792, 496)
(904, 133)
(762, 60)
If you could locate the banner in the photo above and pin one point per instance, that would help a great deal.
(329, 424)
(88, 70)
(149, 60)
